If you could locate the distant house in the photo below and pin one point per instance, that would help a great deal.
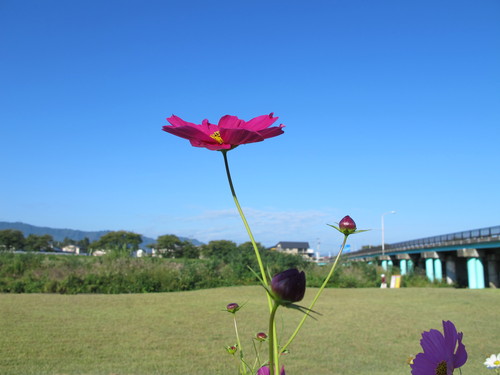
(140, 253)
(296, 248)
(98, 253)
(71, 249)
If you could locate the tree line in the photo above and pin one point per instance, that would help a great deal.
(124, 243)
(13, 239)
(178, 265)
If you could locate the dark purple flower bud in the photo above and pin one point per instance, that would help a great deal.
(261, 336)
(232, 307)
(347, 225)
(289, 286)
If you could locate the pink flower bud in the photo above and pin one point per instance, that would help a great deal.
(261, 336)
(347, 225)
(232, 307)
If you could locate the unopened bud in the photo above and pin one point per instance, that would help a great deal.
(261, 336)
(232, 307)
(347, 225)
(231, 349)
(289, 286)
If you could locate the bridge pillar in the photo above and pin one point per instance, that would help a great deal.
(429, 268)
(451, 270)
(386, 262)
(403, 266)
(471, 273)
(403, 263)
(492, 261)
(480, 273)
(438, 269)
(410, 266)
(430, 265)
(475, 268)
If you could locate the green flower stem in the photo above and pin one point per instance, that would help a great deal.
(256, 249)
(273, 343)
(275, 349)
(240, 349)
(257, 354)
(317, 296)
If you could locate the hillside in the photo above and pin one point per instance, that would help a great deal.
(60, 234)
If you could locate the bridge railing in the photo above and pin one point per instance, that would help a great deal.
(474, 235)
(458, 236)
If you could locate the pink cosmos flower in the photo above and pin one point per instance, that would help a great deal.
(442, 353)
(229, 133)
(264, 370)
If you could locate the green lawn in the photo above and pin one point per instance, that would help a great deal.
(361, 331)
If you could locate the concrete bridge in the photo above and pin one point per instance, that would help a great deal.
(468, 259)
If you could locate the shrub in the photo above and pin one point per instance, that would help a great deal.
(42, 273)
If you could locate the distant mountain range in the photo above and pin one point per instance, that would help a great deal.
(77, 235)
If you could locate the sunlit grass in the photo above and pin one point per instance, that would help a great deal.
(360, 331)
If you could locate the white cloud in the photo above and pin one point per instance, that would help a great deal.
(268, 226)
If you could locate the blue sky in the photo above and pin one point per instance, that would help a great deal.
(388, 105)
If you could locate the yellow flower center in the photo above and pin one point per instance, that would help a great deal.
(441, 368)
(217, 137)
(497, 362)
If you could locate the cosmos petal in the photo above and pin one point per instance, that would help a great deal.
(211, 146)
(460, 355)
(230, 122)
(239, 136)
(261, 122)
(422, 365)
(433, 344)
(188, 132)
(271, 132)
(450, 334)
(177, 121)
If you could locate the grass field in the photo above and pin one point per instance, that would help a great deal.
(361, 331)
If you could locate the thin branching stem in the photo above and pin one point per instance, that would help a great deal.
(325, 282)
(240, 349)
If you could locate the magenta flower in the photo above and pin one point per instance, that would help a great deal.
(442, 353)
(228, 134)
(264, 370)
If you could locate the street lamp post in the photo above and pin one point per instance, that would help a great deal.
(383, 244)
